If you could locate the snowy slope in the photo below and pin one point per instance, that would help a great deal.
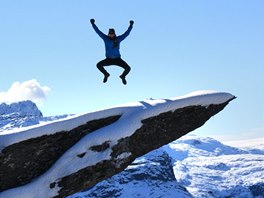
(65, 166)
(202, 165)
(208, 168)
(191, 166)
(148, 176)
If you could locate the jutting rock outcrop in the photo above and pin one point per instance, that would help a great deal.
(73, 154)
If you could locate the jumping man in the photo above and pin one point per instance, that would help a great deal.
(112, 46)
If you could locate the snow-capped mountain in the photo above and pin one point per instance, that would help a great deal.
(22, 114)
(19, 114)
(208, 168)
(189, 167)
(148, 176)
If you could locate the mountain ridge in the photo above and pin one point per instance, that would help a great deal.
(202, 167)
(23, 114)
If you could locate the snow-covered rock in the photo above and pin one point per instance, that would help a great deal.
(148, 176)
(191, 166)
(72, 154)
(194, 167)
(24, 108)
(208, 168)
(22, 114)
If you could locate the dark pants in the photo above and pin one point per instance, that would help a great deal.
(116, 61)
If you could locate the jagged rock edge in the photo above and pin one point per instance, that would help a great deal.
(108, 168)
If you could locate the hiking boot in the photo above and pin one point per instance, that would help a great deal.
(106, 77)
(123, 79)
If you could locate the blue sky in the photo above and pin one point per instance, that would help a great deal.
(176, 47)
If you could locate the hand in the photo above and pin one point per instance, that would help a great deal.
(131, 22)
(92, 21)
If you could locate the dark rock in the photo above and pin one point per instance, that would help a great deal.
(100, 148)
(24, 161)
(31, 158)
(154, 171)
(257, 190)
(155, 132)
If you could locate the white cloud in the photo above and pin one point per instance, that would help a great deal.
(28, 90)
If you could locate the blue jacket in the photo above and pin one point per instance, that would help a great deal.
(110, 50)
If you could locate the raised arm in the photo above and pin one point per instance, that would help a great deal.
(96, 29)
(123, 36)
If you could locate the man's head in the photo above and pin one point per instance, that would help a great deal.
(111, 32)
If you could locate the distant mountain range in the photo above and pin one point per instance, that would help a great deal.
(189, 167)
(22, 114)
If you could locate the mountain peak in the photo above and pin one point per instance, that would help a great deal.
(19, 114)
(23, 108)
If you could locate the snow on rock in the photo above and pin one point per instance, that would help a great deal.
(148, 176)
(23, 108)
(19, 114)
(205, 166)
(72, 154)
(22, 114)
(208, 168)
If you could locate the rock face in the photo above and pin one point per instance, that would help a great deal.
(26, 160)
(203, 165)
(148, 176)
(19, 114)
(22, 114)
(18, 167)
